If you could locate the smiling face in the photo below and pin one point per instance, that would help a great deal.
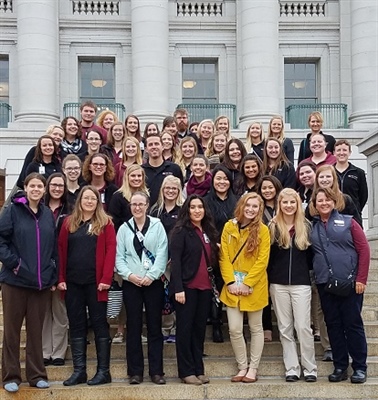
(154, 147)
(57, 135)
(188, 150)
(251, 210)
(198, 167)
(167, 140)
(325, 179)
(234, 153)
(317, 144)
(152, 130)
(272, 149)
(94, 141)
(131, 149)
(276, 127)
(56, 188)
(196, 211)
(118, 133)
(219, 143)
(288, 205)
(132, 125)
(88, 114)
(135, 179)
(138, 206)
(315, 124)
(170, 191)
(88, 201)
(47, 147)
(251, 169)
(255, 132)
(171, 128)
(98, 166)
(222, 125)
(108, 121)
(268, 191)
(206, 130)
(342, 153)
(221, 183)
(306, 176)
(324, 205)
(72, 170)
(71, 127)
(35, 189)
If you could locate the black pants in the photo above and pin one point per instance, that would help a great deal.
(345, 328)
(78, 298)
(152, 297)
(190, 331)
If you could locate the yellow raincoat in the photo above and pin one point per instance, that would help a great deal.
(254, 266)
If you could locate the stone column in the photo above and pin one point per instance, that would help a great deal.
(364, 49)
(259, 57)
(38, 61)
(150, 51)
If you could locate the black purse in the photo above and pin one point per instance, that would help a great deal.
(337, 286)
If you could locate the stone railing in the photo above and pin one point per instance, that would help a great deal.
(95, 7)
(6, 6)
(198, 8)
(302, 9)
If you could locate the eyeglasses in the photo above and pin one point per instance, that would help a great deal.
(70, 169)
(170, 189)
(138, 205)
(86, 198)
(97, 165)
(57, 185)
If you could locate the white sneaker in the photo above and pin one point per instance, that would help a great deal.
(118, 338)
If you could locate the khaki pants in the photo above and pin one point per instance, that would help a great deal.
(235, 324)
(20, 303)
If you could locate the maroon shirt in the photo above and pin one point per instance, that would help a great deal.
(85, 129)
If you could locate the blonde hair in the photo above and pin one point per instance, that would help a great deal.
(278, 228)
(99, 218)
(138, 156)
(216, 122)
(168, 180)
(210, 148)
(51, 128)
(180, 159)
(317, 115)
(281, 136)
(248, 140)
(335, 195)
(125, 189)
(253, 240)
(280, 160)
(205, 121)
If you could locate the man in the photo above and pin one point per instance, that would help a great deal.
(156, 168)
(88, 111)
(352, 180)
(182, 122)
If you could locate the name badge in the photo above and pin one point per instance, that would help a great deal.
(102, 196)
(146, 264)
(339, 222)
(206, 238)
(41, 170)
(89, 228)
(140, 236)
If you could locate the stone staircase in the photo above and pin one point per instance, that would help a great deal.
(219, 366)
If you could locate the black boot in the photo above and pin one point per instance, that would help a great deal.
(79, 358)
(217, 332)
(103, 360)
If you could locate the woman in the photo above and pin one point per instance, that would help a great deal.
(276, 130)
(306, 178)
(28, 274)
(72, 142)
(315, 123)
(319, 156)
(250, 175)
(169, 146)
(87, 246)
(142, 255)
(115, 139)
(233, 155)
(45, 161)
(200, 180)
(326, 178)
(98, 171)
(221, 202)
(348, 254)
(222, 124)
(193, 251)
(106, 118)
(187, 151)
(72, 170)
(243, 262)
(132, 126)
(57, 133)
(170, 126)
(55, 325)
(269, 189)
(216, 148)
(276, 163)
(131, 154)
(167, 209)
(290, 285)
(255, 141)
(205, 132)
(94, 140)
(193, 128)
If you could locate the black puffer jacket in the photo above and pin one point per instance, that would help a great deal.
(28, 245)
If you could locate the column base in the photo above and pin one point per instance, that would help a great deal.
(146, 116)
(259, 116)
(36, 117)
(364, 119)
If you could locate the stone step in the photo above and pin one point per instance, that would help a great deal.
(215, 367)
(264, 388)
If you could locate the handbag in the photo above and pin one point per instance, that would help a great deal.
(335, 285)
(115, 300)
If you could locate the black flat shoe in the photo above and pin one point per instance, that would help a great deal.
(136, 379)
(47, 361)
(358, 376)
(338, 375)
(310, 378)
(292, 378)
(158, 379)
(58, 362)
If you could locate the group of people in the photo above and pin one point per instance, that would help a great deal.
(222, 222)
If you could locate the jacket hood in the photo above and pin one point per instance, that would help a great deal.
(20, 198)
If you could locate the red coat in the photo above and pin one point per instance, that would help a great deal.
(105, 256)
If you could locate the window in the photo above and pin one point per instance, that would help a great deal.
(4, 79)
(300, 82)
(97, 80)
(200, 81)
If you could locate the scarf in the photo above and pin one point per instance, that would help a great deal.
(200, 188)
(71, 148)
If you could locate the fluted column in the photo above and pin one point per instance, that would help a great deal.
(37, 61)
(150, 50)
(259, 57)
(364, 48)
